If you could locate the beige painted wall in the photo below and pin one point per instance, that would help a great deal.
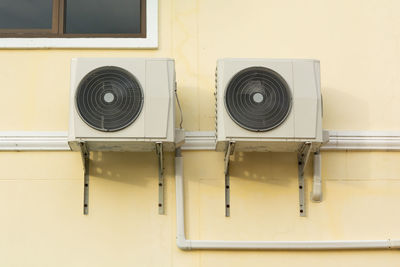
(358, 43)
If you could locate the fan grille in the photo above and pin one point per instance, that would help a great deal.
(258, 99)
(109, 99)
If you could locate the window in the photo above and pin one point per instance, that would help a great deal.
(78, 23)
(28, 15)
(73, 18)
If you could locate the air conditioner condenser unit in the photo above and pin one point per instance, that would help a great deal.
(268, 104)
(122, 104)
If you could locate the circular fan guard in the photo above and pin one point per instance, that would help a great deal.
(258, 99)
(109, 99)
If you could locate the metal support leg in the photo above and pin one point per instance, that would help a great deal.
(85, 162)
(302, 158)
(229, 151)
(159, 150)
(227, 195)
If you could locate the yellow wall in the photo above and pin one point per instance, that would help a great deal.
(358, 43)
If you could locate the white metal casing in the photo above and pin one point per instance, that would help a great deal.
(155, 122)
(304, 122)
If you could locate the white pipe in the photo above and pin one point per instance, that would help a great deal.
(316, 194)
(338, 141)
(186, 244)
(180, 219)
(363, 140)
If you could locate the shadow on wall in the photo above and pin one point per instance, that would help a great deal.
(136, 168)
(272, 168)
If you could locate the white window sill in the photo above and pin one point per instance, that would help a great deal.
(151, 41)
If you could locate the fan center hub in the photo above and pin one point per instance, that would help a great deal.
(258, 97)
(109, 97)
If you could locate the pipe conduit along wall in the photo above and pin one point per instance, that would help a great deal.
(186, 244)
(205, 140)
(338, 141)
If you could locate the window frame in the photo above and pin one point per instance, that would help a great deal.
(37, 32)
(148, 38)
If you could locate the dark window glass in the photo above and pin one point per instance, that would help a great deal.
(102, 16)
(26, 14)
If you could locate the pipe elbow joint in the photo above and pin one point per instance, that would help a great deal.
(183, 244)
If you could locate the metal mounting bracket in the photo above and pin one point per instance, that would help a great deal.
(229, 151)
(85, 163)
(159, 151)
(302, 159)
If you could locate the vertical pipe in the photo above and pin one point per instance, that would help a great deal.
(316, 194)
(180, 217)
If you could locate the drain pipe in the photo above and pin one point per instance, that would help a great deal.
(316, 194)
(186, 244)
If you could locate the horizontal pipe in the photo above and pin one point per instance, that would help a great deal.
(33, 141)
(363, 140)
(186, 244)
(294, 245)
(199, 141)
(338, 140)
